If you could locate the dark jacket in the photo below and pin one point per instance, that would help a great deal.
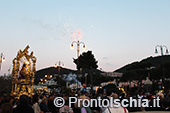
(44, 107)
(23, 108)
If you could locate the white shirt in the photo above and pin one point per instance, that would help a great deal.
(116, 110)
(36, 108)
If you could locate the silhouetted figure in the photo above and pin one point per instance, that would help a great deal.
(23, 106)
(44, 106)
(6, 108)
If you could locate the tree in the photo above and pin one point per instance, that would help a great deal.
(5, 84)
(86, 61)
(137, 71)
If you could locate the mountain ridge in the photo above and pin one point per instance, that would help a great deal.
(154, 61)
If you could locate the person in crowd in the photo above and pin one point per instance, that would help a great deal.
(81, 107)
(44, 106)
(35, 105)
(23, 106)
(51, 105)
(6, 99)
(6, 108)
(66, 108)
(93, 108)
(40, 99)
(115, 109)
(16, 103)
(104, 96)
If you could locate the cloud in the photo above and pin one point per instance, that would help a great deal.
(105, 58)
(57, 31)
(108, 64)
(43, 25)
(62, 29)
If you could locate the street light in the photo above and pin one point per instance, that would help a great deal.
(2, 59)
(51, 76)
(78, 50)
(161, 48)
(78, 46)
(156, 51)
(46, 76)
(60, 65)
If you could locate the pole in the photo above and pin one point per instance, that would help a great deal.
(86, 78)
(91, 77)
(1, 60)
(78, 50)
(59, 68)
(161, 50)
(0, 64)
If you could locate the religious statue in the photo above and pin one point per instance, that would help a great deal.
(23, 73)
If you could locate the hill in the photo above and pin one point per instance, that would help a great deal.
(51, 71)
(152, 61)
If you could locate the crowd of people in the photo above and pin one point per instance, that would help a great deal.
(45, 103)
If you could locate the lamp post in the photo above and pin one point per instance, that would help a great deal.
(156, 51)
(78, 50)
(161, 48)
(78, 46)
(59, 65)
(2, 59)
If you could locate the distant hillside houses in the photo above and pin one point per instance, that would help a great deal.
(112, 74)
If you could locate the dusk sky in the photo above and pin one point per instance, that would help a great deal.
(118, 32)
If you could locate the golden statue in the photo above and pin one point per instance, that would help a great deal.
(24, 73)
(23, 77)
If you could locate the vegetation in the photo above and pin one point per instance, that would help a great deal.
(138, 72)
(97, 78)
(151, 61)
(5, 84)
(86, 61)
(155, 68)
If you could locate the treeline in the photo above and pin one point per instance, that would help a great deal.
(139, 71)
(5, 84)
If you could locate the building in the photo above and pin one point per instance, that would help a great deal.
(112, 74)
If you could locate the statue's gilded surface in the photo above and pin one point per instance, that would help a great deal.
(23, 73)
